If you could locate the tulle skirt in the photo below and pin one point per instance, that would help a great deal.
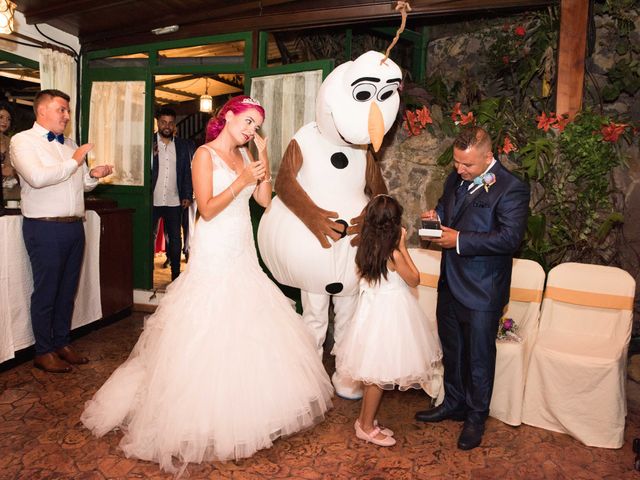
(223, 368)
(391, 343)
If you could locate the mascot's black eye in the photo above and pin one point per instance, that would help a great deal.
(364, 91)
(387, 91)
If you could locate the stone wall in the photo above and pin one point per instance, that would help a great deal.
(412, 175)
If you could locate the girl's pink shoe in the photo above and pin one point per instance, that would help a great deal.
(383, 430)
(387, 441)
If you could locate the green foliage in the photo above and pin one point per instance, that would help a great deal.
(568, 164)
(624, 76)
(574, 172)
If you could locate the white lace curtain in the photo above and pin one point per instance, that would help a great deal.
(289, 101)
(58, 71)
(116, 128)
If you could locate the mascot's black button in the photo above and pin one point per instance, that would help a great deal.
(334, 288)
(339, 160)
(342, 233)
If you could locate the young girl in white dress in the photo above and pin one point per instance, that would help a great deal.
(225, 365)
(390, 342)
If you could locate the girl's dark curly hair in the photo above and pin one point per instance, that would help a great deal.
(380, 236)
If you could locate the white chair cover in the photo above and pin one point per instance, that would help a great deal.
(526, 293)
(428, 263)
(576, 378)
(527, 283)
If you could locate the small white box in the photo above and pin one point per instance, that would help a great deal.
(430, 232)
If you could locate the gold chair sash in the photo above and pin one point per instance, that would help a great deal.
(530, 295)
(517, 294)
(589, 299)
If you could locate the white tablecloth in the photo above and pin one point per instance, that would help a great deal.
(16, 284)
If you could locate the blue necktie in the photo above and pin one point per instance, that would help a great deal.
(461, 191)
(52, 136)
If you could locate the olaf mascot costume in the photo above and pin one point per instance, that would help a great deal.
(308, 235)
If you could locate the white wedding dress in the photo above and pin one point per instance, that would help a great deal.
(224, 366)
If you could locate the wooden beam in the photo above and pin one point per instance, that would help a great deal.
(176, 79)
(175, 91)
(299, 15)
(44, 14)
(571, 55)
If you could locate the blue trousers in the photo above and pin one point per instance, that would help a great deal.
(468, 340)
(171, 217)
(55, 252)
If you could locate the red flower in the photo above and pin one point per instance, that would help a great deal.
(545, 122)
(561, 122)
(507, 146)
(424, 116)
(520, 31)
(410, 123)
(612, 132)
(466, 119)
(456, 111)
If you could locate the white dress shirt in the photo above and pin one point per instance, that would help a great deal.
(166, 192)
(52, 184)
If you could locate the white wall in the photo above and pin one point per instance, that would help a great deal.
(20, 26)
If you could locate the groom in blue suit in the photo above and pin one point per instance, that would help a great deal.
(483, 211)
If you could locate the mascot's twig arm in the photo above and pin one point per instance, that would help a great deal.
(317, 220)
(375, 186)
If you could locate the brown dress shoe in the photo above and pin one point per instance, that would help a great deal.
(69, 354)
(50, 362)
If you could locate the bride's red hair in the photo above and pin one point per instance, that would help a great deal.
(237, 105)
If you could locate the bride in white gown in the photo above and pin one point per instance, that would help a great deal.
(225, 365)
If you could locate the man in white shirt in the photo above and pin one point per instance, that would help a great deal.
(54, 177)
(171, 182)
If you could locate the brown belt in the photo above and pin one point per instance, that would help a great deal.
(60, 219)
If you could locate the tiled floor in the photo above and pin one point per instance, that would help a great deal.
(41, 437)
(161, 274)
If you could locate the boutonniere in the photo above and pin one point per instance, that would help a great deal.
(485, 180)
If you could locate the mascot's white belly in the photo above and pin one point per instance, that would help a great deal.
(334, 178)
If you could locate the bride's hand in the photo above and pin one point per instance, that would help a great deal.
(261, 143)
(252, 172)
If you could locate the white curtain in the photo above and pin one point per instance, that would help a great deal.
(116, 129)
(289, 101)
(58, 71)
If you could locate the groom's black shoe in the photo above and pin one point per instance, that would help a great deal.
(471, 436)
(440, 413)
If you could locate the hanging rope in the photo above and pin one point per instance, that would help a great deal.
(404, 8)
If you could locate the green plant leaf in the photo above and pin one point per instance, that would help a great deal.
(445, 157)
(615, 218)
(610, 93)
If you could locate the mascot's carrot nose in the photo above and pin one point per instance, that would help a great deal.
(376, 126)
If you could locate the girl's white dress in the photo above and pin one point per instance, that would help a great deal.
(390, 341)
(224, 366)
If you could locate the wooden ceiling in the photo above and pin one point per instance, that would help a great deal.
(112, 23)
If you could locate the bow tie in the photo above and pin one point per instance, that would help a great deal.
(52, 136)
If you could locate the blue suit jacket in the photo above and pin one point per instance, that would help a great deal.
(491, 225)
(184, 154)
